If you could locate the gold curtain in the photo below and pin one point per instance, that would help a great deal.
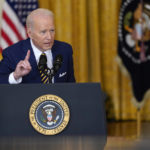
(90, 26)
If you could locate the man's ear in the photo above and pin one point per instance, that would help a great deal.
(29, 32)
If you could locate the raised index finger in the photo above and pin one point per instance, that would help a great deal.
(28, 55)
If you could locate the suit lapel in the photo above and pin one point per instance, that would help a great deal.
(56, 51)
(32, 60)
(34, 72)
(53, 55)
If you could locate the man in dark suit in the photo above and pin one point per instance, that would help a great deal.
(20, 61)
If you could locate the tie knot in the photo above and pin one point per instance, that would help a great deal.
(43, 57)
(43, 54)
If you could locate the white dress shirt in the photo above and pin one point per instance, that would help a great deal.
(37, 54)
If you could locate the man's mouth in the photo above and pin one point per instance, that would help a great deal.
(48, 43)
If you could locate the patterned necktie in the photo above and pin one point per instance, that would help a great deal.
(43, 68)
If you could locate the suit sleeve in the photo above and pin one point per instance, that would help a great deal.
(71, 77)
(6, 67)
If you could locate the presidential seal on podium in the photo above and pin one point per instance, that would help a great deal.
(49, 114)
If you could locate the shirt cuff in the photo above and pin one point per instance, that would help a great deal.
(12, 80)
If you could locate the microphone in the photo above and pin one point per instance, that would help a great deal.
(57, 63)
(42, 65)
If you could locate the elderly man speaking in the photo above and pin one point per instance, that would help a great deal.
(40, 58)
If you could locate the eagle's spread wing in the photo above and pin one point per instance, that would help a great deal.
(44, 114)
(54, 114)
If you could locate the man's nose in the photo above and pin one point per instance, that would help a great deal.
(49, 36)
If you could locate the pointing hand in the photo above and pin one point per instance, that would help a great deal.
(23, 67)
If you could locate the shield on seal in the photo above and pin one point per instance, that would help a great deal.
(49, 117)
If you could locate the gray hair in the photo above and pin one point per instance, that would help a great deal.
(37, 12)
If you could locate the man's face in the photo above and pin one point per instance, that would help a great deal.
(42, 32)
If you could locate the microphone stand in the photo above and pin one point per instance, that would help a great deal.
(50, 74)
(56, 65)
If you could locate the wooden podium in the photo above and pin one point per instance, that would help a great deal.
(86, 128)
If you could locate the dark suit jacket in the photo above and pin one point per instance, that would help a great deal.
(13, 54)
